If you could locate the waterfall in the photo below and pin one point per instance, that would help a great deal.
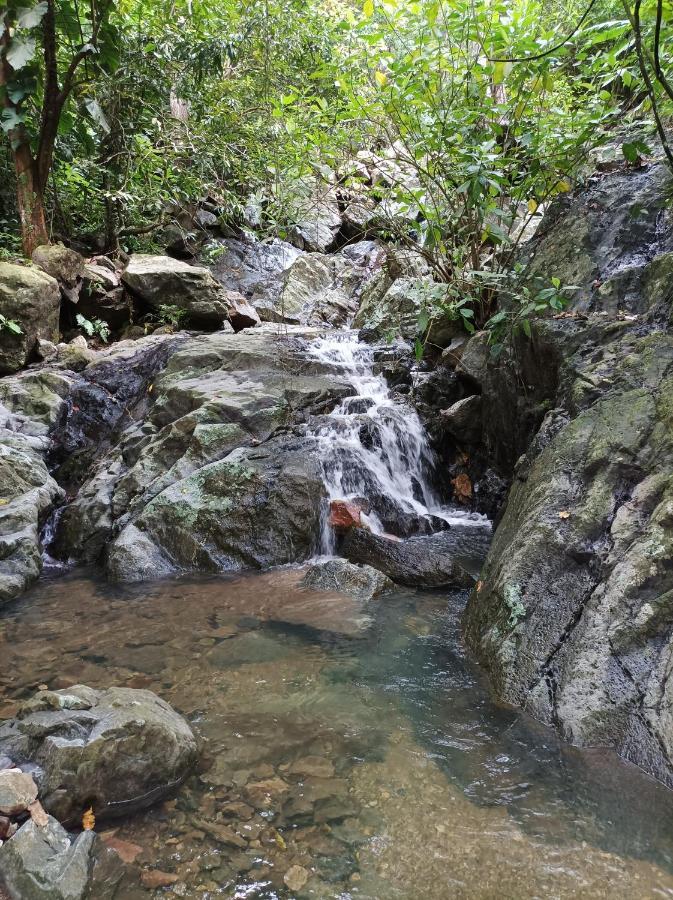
(373, 448)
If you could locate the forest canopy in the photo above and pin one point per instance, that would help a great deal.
(119, 116)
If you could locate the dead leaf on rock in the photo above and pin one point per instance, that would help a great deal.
(88, 820)
(125, 850)
(480, 585)
(564, 514)
(462, 487)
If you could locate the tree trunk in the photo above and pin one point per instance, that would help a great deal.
(30, 199)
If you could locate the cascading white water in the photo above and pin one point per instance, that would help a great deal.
(373, 447)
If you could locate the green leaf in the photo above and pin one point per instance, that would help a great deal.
(32, 16)
(418, 349)
(11, 119)
(526, 327)
(20, 51)
(94, 109)
(368, 9)
(19, 90)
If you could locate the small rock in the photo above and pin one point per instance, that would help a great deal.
(125, 850)
(17, 792)
(317, 766)
(296, 877)
(344, 514)
(155, 878)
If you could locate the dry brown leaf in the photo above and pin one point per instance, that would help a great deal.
(88, 820)
(462, 487)
(564, 514)
(480, 585)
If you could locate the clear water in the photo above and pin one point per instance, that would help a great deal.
(359, 744)
(373, 445)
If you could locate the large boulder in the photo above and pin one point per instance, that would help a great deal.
(164, 281)
(63, 264)
(255, 508)
(285, 285)
(30, 406)
(572, 618)
(29, 299)
(221, 475)
(450, 558)
(117, 751)
(44, 862)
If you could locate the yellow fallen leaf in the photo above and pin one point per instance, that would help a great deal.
(368, 8)
(564, 514)
(3, 501)
(88, 820)
(280, 840)
(532, 205)
(380, 77)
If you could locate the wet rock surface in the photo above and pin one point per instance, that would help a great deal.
(117, 751)
(363, 582)
(451, 557)
(571, 620)
(217, 476)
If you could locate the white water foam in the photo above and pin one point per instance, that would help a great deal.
(374, 446)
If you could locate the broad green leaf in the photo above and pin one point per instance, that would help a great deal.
(20, 51)
(93, 108)
(31, 16)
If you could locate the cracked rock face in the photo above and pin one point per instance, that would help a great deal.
(119, 750)
(573, 619)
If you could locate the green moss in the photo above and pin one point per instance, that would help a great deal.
(513, 597)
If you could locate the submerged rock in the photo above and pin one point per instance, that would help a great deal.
(362, 582)
(118, 750)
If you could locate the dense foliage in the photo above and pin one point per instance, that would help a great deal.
(119, 116)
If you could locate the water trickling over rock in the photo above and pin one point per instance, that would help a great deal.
(374, 450)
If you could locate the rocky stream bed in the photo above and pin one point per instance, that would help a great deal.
(279, 522)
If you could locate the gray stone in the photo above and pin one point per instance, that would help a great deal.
(463, 419)
(450, 558)
(30, 298)
(62, 263)
(44, 862)
(17, 792)
(118, 750)
(361, 582)
(162, 280)
(313, 209)
(572, 619)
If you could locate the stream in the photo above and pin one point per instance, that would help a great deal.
(366, 751)
(355, 741)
